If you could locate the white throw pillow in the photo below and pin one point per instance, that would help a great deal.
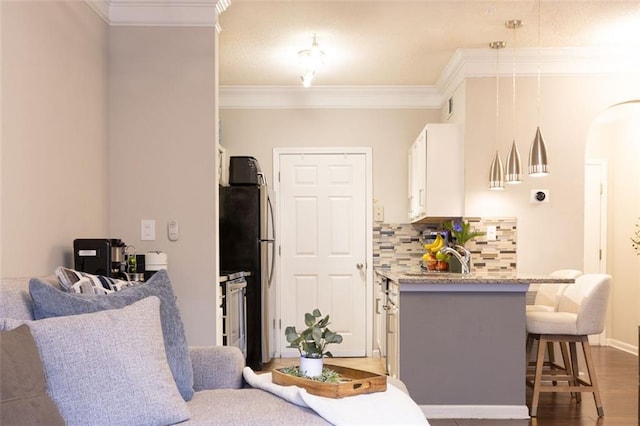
(81, 282)
(108, 367)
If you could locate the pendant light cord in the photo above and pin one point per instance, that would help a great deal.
(497, 98)
(539, 71)
(513, 84)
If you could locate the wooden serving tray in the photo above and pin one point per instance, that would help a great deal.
(352, 382)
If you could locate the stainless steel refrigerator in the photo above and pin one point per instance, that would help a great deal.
(247, 244)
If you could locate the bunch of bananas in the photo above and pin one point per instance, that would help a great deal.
(436, 245)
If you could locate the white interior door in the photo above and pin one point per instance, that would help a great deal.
(595, 217)
(323, 245)
(595, 224)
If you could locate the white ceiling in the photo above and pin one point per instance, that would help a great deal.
(392, 53)
(398, 43)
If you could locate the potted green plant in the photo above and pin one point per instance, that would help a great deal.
(312, 342)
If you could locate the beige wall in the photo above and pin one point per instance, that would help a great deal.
(54, 133)
(67, 172)
(615, 137)
(161, 157)
(388, 132)
(550, 236)
(103, 127)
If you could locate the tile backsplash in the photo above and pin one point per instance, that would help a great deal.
(400, 245)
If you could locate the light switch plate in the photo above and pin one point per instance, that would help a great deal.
(173, 231)
(148, 230)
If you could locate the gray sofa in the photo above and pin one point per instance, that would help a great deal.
(221, 396)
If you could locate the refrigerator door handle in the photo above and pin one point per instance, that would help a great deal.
(273, 242)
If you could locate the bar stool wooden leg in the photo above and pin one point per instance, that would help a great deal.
(551, 353)
(552, 359)
(565, 356)
(568, 366)
(537, 379)
(528, 349)
(575, 369)
(591, 371)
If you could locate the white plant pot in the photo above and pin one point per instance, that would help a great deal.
(311, 367)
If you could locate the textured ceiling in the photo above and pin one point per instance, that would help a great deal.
(401, 42)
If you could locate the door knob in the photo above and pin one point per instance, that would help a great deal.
(359, 265)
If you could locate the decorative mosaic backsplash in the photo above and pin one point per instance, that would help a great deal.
(400, 245)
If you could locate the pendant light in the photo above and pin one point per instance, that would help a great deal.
(513, 174)
(538, 165)
(496, 172)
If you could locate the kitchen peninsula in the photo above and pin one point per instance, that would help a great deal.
(461, 341)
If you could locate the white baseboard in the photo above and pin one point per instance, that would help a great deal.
(622, 346)
(475, 411)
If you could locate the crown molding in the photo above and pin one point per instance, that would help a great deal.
(550, 62)
(101, 7)
(358, 97)
(169, 13)
(465, 63)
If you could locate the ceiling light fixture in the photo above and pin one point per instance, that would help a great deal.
(513, 173)
(311, 60)
(538, 165)
(496, 172)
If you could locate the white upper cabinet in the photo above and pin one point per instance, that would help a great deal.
(436, 173)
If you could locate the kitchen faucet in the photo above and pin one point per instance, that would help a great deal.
(464, 261)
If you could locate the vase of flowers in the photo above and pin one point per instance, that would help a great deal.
(461, 234)
(461, 231)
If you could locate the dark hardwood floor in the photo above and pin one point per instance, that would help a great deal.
(617, 374)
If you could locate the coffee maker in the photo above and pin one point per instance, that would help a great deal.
(100, 256)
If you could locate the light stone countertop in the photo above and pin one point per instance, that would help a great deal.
(417, 280)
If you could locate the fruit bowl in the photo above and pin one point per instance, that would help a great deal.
(432, 264)
(434, 259)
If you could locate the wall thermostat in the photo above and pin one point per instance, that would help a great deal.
(539, 196)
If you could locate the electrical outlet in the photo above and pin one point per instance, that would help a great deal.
(492, 233)
(378, 213)
(539, 196)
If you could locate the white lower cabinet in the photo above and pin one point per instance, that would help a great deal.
(436, 173)
(393, 328)
(379, 323)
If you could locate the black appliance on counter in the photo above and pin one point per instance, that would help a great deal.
(99, 256)
(244, 171)
(247, 244)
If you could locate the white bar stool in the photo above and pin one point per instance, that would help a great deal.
(548, 295)
(547, 300)
(581, 312)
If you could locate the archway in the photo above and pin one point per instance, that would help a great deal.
(614, 140)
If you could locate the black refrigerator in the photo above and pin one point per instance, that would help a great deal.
(247, 244)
